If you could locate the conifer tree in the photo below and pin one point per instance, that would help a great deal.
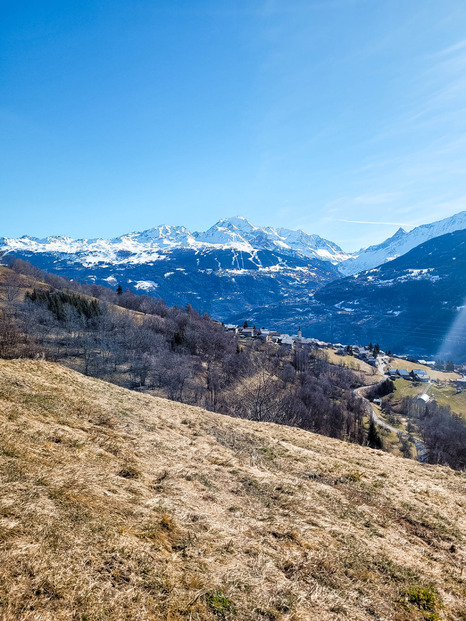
(373, 438)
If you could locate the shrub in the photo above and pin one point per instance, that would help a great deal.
(219, 603)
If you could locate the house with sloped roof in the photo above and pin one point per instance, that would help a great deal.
(420, 375)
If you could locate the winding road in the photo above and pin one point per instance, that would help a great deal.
(420, 446)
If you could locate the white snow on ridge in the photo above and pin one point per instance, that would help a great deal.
(151, 245)
(401, 243)
(146, 285)
(236, 234)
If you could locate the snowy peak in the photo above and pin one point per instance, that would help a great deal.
(229, 232)
(396, 237)
(236, 222)
(160, 235)
(306, 243)
(139, 247)
(400, 243)
(238, 232)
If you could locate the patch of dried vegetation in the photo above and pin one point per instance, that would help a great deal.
(117, 505)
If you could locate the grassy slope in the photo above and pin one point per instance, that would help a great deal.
(366, 373)
(116, 505)
(21, 283)
(399, 363)
(448, 395)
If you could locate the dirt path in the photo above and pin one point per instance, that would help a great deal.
(420, 446)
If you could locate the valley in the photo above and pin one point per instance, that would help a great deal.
(283, 279)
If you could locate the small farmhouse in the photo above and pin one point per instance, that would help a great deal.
(420, 375)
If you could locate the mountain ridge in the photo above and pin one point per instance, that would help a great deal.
(400, 243)
(236, 233)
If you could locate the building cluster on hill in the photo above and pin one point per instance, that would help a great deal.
(366, 354)
(416, 375)
(290, 341)
(371, 354)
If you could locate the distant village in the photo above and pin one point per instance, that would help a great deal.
(272, 336)
(372, 355)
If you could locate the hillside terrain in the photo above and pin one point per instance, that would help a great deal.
(117, 505)
(139, 342)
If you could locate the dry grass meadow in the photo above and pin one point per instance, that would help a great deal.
(117, 505)
(366, 373)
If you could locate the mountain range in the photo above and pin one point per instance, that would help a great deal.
(142, 247)
(270, 276)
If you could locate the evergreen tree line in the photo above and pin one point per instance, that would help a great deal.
(57, 302)
(381, 390)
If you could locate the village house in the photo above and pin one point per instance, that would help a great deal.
(420, 375)
(403, 373)
(230, 327)
(286, 341)
(247, 332)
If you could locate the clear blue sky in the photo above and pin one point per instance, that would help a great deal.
(119, 115)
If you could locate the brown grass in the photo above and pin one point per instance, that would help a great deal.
(116, 505)
(366, 373)
(450, 396)
(399, 363)
(15, 285)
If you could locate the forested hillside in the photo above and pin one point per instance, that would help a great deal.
(139, 342)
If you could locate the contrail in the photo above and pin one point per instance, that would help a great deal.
(370, 222)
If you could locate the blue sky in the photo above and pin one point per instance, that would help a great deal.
(345, 118)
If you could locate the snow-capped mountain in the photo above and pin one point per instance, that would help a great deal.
(139, 247)
(401, 243)
(234, 265)
(237, 231)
